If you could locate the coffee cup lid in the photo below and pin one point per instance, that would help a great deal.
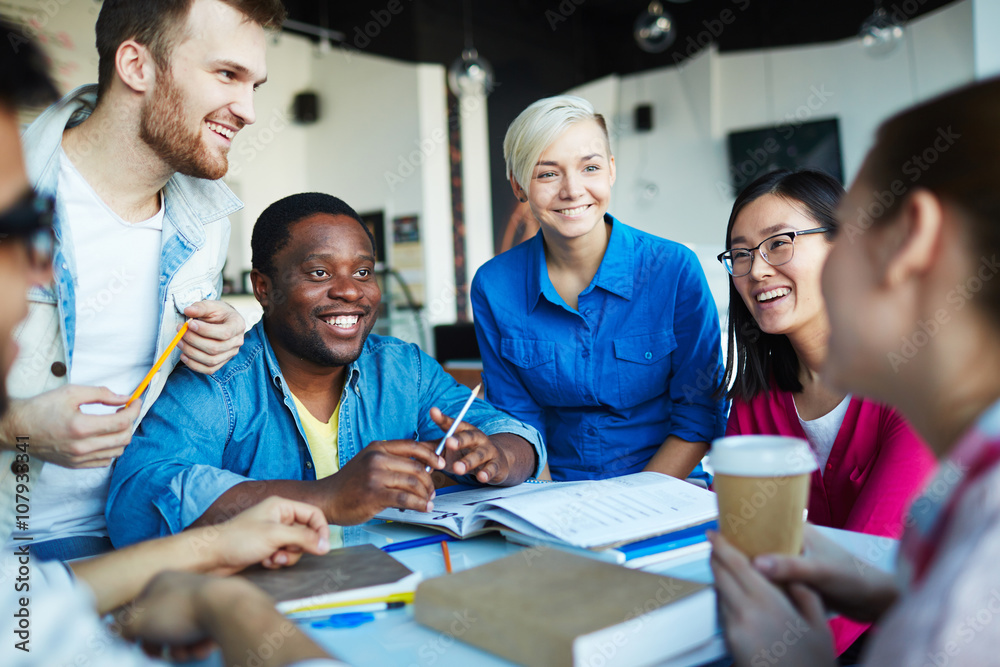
(761, 456)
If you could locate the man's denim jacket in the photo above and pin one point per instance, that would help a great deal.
(207, 434)
(194, 246)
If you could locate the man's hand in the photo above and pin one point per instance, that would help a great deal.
(275, 533)
(471, 452)
(757, 616)
(61, 434)
(214, 336)
(388, 473)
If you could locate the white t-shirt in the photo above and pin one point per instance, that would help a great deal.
(822, 432)
(117, 316)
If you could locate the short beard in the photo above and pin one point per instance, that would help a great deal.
(162, 128)
(309, 345)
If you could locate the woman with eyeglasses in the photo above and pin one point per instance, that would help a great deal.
(916, 246)
(871, 463)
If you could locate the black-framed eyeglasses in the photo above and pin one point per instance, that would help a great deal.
(775, 250)
(30, 221)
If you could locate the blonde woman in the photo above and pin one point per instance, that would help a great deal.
(601, 336)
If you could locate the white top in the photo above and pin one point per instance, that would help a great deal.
(953, 617)
(64, 628)
(117, 315)
(822, 432)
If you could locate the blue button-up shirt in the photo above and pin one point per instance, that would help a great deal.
(208, 433)
(637, 361)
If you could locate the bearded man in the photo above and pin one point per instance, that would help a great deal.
(141, 231)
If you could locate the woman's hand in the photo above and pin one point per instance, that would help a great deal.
(762, 624)
(848, 585)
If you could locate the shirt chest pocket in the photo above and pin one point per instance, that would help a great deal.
(642, 364)
(535, 365)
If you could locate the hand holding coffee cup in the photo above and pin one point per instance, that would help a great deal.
(762, 484)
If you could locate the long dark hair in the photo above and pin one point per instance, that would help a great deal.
(755, 356)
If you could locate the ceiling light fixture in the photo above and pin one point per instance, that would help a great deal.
(881, 32)
(654, 30)
(470, 73)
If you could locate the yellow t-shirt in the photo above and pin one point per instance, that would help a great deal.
(323, 446)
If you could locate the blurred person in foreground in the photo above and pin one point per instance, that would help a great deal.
(917, 248)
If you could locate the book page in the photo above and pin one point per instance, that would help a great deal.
(606, 512)
(452, 511)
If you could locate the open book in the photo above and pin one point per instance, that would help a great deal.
(595, 514)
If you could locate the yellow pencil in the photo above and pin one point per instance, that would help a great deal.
(159, 362)
(447, 557)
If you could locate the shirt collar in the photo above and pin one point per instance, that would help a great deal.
(615, 274)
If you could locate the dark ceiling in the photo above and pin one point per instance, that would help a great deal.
(544, 47)
(575, 41)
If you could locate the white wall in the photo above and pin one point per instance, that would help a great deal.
(267, 160)
(673, 181)
(986, 23)
(696, 105)
(380, 143)
(377, 143)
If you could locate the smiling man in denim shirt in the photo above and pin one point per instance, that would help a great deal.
(312, 408)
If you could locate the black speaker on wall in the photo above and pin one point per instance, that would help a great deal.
(644, 118)
(305, 108)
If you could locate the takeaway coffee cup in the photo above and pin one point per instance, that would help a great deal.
(762, 483)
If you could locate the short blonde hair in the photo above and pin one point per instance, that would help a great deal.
(538, 126)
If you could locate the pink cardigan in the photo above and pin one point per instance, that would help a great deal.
(877, 466)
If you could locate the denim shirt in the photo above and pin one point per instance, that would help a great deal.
(607, 382)
(207, 434)
(195, 241)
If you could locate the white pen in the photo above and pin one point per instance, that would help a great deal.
(458, 420)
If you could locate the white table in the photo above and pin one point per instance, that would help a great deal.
(394, 639)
